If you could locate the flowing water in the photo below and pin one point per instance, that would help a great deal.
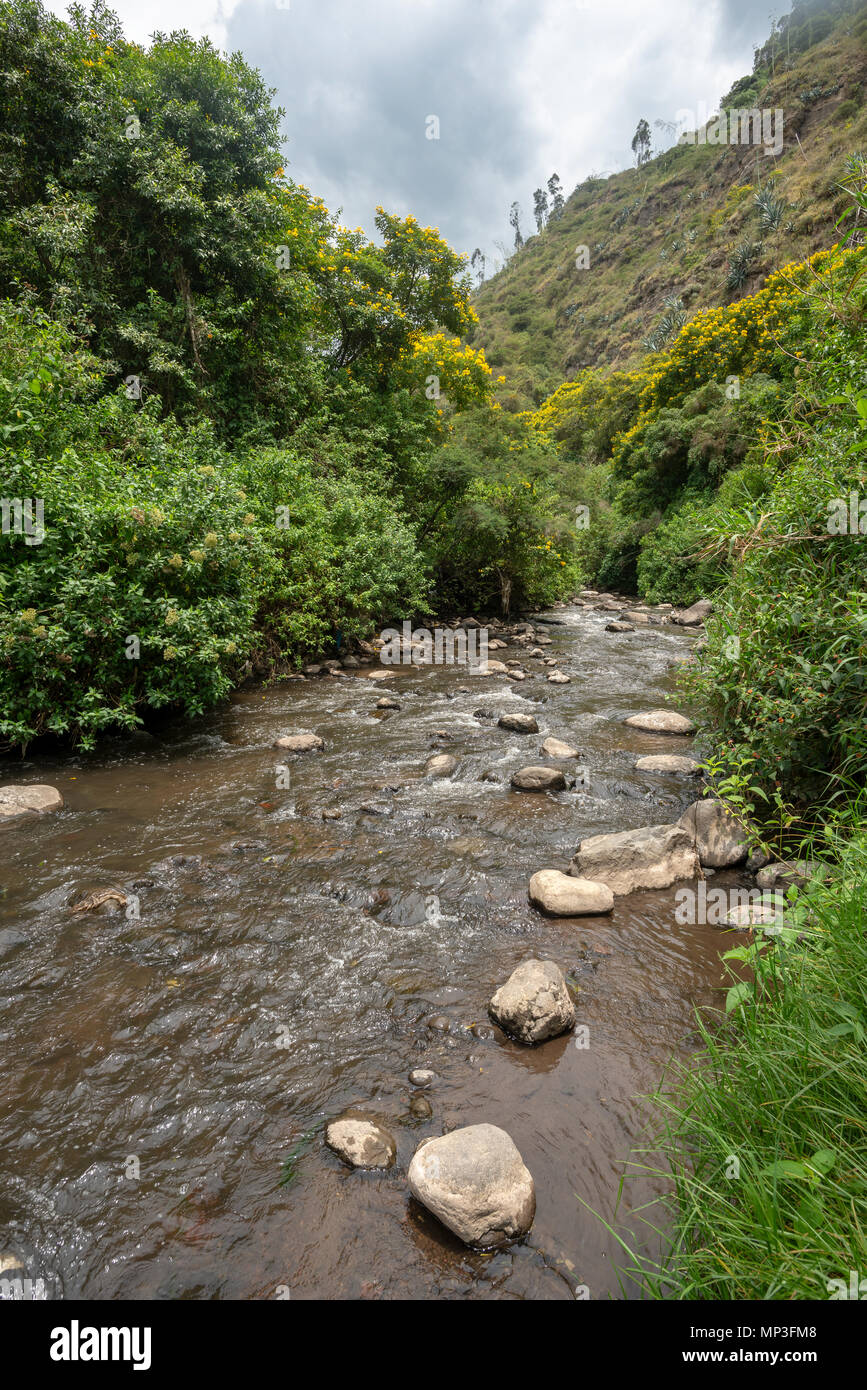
(161, 1075)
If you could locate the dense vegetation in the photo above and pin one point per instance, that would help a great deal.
(254, 431)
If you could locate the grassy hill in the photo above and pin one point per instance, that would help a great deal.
(685, 231)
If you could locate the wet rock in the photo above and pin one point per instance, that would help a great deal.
(475, 1182)
(350, 663)
(661, 721)
(103, 900)
(497, 667)
(360, 1142)
(757, 860)
(566, 895)
(518, 723)
(312, 670)
(788, 873)
(694, 616)
(482, 1032)
(668, 762)
(651, 857)
(555, 748)
(387, 703)
(619, 627)
(380, 675)
(300, 743)
(332, 814)
(10, 937)
(534, 1003)
(420, 1108)
(559, 678)
(635, 617)
(770, 913)
(442, 765)
(438, 1023)
(31, 799)
(422, 1077)
(538, 779)
(720, 839)
(377, 808)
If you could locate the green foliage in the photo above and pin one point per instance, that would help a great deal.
(780, 1090)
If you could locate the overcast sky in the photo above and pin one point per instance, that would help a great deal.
(521, 88)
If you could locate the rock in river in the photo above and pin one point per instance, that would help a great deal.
(661, 721)
(534, 1003)
(565, 895)
(719, 838)
(651, 857)
(475, 1182)
(360, 1142)
(555, 748)
(559, 678)
(32, 799)
(300, 743)
(518, 723)
(538, 779)
(422, 1076)
(668, 762)
(442, 765)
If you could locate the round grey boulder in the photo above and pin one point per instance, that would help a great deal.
(475, 1182)
(534, 1003)
(564, 895)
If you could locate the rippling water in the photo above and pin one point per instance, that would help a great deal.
(285, 967)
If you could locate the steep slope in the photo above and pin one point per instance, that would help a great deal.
(685, 231)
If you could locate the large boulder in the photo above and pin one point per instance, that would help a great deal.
(538, 779)
(556, 748)
(668, 762)
(300, 743)
(566, 895)
(651, 857)
(661, 721)
(694, 616)
(33, 799)
(361, 1142)
(518, 723)
(559, 678)
(534, 1003)
(720, 839)
(475, 1182)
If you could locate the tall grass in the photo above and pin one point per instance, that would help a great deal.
(765, 1132)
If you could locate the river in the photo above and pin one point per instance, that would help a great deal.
(167, 1078)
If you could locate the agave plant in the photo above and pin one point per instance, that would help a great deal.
(771, 210)
(740, 262)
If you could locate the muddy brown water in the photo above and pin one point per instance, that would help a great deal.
(158, 1073)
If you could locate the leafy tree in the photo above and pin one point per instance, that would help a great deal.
(555, 192)
(540, 208)
(641, 143)
(515, 224)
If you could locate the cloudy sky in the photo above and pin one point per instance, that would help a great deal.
(521, 89)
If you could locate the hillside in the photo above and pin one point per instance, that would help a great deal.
(685, 232)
